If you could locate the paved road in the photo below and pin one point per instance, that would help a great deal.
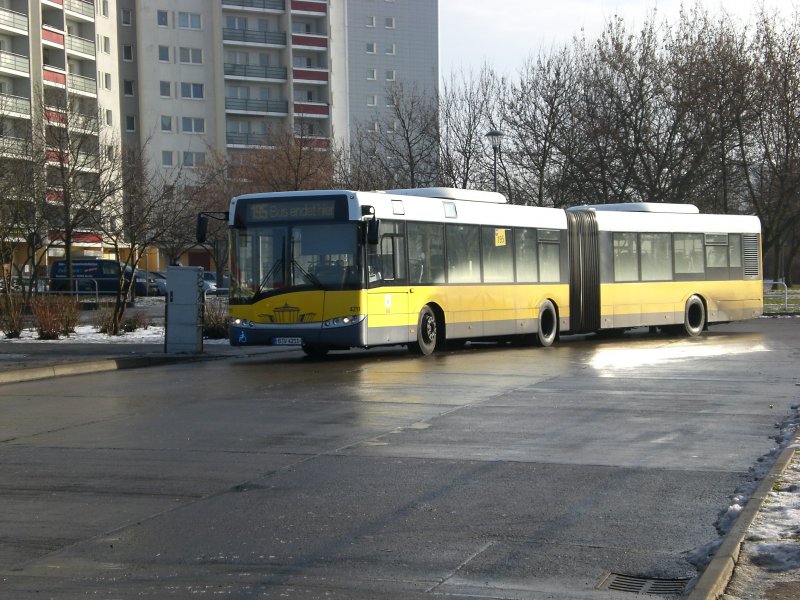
(489, 472)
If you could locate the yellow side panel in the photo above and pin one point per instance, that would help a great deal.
(301, 307)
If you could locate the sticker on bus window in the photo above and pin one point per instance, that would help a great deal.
(499, 237)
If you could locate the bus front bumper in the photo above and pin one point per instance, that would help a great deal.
(336, 333)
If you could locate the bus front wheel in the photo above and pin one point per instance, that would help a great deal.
(315, 350)
(694, 316)
(427, 333)
(548, 324)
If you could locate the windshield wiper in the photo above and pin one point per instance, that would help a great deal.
(268, 277)
(311, 278)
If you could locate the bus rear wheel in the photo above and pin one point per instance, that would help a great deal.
(694, 317)
(548, 324)
(427, 333)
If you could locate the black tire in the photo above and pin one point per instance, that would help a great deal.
(547, 331)
(694, 317)
(427, 333)
(315, 350)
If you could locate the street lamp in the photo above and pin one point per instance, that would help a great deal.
(495, 137)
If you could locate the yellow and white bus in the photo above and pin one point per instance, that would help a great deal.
(438, 266)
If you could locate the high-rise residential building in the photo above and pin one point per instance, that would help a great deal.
(58, 95)
(182, 79)
(376, 44)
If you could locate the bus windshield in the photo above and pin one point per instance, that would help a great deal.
(272, 259)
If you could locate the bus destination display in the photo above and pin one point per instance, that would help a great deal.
(292, 210)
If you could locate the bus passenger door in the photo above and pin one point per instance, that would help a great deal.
(387, 296)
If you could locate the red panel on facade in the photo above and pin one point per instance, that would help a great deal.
(55, 116)
(311, 109)
(318, 7)
(52, 36)
(54, 77)
(78, 237)
(310, 75)
(305, 40)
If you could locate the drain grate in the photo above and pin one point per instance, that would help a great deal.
(643, 585)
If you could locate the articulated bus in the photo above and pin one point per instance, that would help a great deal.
(435, 267)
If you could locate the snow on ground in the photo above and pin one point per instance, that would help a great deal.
(88, 334)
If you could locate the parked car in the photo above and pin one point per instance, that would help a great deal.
(161, 282)
(89, 276)
(145, 283)
(210, 285)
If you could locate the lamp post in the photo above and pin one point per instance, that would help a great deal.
(495, 137)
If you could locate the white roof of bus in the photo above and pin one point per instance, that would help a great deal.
(662, 222)
(471, 209)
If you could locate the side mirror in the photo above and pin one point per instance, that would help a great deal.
(201, 232)
(373, 226)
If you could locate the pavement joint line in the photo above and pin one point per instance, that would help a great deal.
(717, 574)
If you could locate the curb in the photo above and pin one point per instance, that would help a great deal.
(95, 366)
(718, 573)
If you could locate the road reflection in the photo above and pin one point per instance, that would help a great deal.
(610, 361)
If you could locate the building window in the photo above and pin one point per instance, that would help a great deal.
(191, 90)
(391, 75)
(127, 87)
(166, 158)
(163, 53)
(389, 23)
(372, 100)
(194, 159)
(161, 18)
(127, 53)
(187, 20)
(372, 74)
(391, 49)
(106, 45)
(193, 125)
(109, 117)
(130, 123)
(191, 56)
(371, 47)
(371, 21)
(166, 123)
(107, 80)
(104, 8)
(126, 17)
(165, 89)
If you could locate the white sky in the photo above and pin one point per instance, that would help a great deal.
(505, 32)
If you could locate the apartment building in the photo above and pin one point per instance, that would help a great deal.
(376, 44)
(57, 69)
(187, 78)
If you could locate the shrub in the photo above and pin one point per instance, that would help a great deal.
(104, 321)
(134, 321)
(215, 319)
(54, 316)
(12, 310)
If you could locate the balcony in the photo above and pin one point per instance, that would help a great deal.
(279, 5)
(319, 110)
(315, 8)
(257, 106)
(11, 147)
(253, 36)
(52, 76)
(255, 72)
(51, 37)
(261, 140)
(13, 20)
(82, 85)
(310, 41)
(15, 105)
(55, 116)
(84, 9)
(79, 44)
(318, 76)
(15, 62)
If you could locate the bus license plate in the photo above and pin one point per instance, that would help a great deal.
(287, 341)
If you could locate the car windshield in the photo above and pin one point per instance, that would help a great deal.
(270, 259)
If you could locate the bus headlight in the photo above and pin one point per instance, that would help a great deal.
(343, 321)
(237, 322)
